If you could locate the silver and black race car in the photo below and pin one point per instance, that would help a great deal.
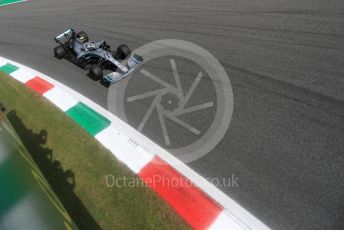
(96, 56)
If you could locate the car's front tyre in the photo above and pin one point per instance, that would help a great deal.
(123, 51)
(59, 52)
(96, 72)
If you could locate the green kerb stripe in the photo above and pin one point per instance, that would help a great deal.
(8, 68)
(7, 2)
(88, 119)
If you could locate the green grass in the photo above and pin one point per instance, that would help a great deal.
(76, 166)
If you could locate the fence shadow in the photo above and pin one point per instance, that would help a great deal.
(61, 181)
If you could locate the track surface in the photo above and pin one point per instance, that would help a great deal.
(285, 60)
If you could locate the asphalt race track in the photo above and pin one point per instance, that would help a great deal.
(284, 58)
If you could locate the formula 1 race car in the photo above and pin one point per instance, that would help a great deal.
(96, 56)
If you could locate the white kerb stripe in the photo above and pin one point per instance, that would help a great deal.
(3, 61)
(224, 222)
(131, 154)
(60, 98)
(23, 75)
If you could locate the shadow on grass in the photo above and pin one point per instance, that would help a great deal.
(61, 181)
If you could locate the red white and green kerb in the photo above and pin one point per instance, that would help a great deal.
(200, 208)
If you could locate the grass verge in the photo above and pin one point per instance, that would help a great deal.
(76, 166)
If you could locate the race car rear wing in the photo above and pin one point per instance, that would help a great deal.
(65, 36)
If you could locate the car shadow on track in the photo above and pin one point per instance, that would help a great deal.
(62, 181)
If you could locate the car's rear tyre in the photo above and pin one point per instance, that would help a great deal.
(96, 72)
(123, 51)
(59, 52)
(82, 36)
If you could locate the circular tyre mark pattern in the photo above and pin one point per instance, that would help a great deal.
(182, 91)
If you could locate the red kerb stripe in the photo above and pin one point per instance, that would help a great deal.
(189, 201)
(39, 85)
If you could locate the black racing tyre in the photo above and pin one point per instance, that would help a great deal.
(124, 51)
(59, 52)
(82, 36)
(96, 72)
